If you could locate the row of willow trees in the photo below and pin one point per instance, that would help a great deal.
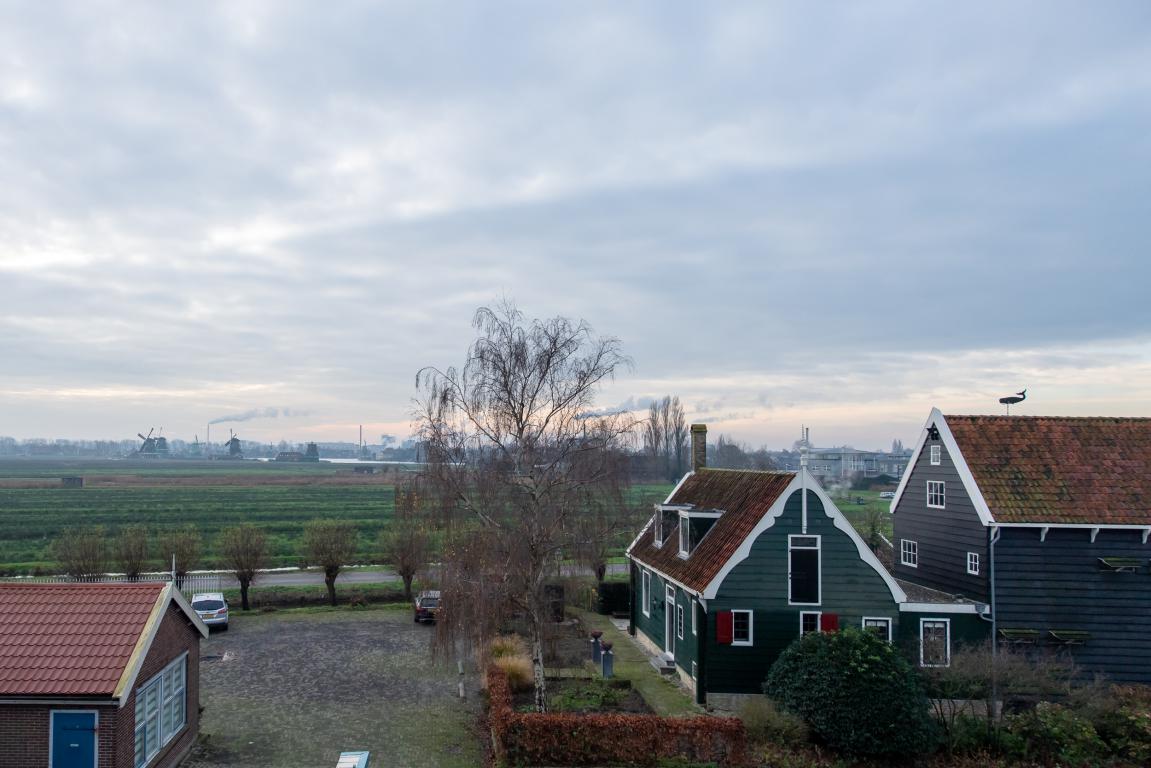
(130, 552)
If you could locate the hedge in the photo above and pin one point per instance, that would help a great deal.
(532, 738)
(613, 597)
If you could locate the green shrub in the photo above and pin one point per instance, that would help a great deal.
(855, 692)
(1122, 718)
(1052, 733)
(768, 724)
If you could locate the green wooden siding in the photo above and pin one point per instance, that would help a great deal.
(967, 629)
(687, 649)
(850, 588)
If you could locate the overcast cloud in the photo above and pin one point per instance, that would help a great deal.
(838, 216)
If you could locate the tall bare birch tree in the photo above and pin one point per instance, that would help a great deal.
(517, 455)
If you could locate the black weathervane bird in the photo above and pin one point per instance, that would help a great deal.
(1011, 400)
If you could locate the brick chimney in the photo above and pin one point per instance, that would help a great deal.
(698, 447)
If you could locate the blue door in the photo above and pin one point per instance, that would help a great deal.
(73, 739)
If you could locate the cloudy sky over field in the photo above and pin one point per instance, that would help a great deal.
(837, 216)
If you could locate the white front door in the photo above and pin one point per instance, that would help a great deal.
(669, 623)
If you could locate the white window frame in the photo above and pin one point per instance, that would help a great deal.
(694, 671)
(750, 627)
(165, 734)
(679, 621)
(52, 727)
(694, 618)
(884, 619)
(645, 587)
(973, 563)
(909, 553)
(936, 455)
(818, 621)
(657, 528)
(947, 645)
(684, 536)
(819, 572)
(940, 493)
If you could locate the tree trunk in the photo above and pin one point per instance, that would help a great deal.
(537, 621)
(244, 584)
(408, 586)
(330, 581)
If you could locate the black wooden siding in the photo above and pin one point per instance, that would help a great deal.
(1057, 584)
(945, 536)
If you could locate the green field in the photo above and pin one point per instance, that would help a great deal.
(29, 518)
(210, 495)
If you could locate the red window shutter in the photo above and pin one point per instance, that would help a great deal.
(829, 622)
(723, 628)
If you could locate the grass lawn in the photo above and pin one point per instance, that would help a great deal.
(295, 688)
(632, 664)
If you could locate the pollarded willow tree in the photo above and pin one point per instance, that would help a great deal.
(518, 455)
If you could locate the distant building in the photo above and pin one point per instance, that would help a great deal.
(842, 464)
(289, 456)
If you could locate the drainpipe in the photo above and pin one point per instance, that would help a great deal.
(994, 613)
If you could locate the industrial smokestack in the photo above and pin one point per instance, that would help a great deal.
(698, 447)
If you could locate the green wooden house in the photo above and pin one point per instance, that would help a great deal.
(735, 565)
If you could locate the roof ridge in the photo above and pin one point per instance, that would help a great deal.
(1004, 417)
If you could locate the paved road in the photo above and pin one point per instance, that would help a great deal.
(359, 576)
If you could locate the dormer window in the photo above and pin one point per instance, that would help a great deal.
(693, 526)
(658, 527)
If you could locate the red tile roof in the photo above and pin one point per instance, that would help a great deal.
(70, 639)
(744, 497)
(1039, 469)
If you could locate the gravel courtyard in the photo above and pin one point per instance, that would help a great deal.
(289, 690)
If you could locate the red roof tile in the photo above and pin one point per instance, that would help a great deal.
(70, 639)
(1039, 469)
(744, 496)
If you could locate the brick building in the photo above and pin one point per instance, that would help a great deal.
(97, 675)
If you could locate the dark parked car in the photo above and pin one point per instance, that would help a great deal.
(427, 605)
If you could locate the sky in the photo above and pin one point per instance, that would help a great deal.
(835, 214)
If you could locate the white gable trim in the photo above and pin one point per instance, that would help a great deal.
(964, 472)
(832, 511)
(167, 596)
(657, 572)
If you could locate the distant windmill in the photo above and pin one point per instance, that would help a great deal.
(1011, 400)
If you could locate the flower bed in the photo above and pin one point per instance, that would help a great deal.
(606, 739)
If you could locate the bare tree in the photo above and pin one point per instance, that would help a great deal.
(179, 548)
(330, 544)
(244, 549)
(665, 437)
(406, 542)
(81, 552)
(131, 551)
(513, 445)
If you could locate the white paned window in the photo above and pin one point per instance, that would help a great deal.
(808, 622)
(936, 455)
(684, 536)
(909, 553)
(658, 533)
(694, 618)
(934, 643)
(161, 710)
(880, 627)
(694, 670)
(936, 494)
(679, 621)
(646, 604)
(973, 563)
(741, 628)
